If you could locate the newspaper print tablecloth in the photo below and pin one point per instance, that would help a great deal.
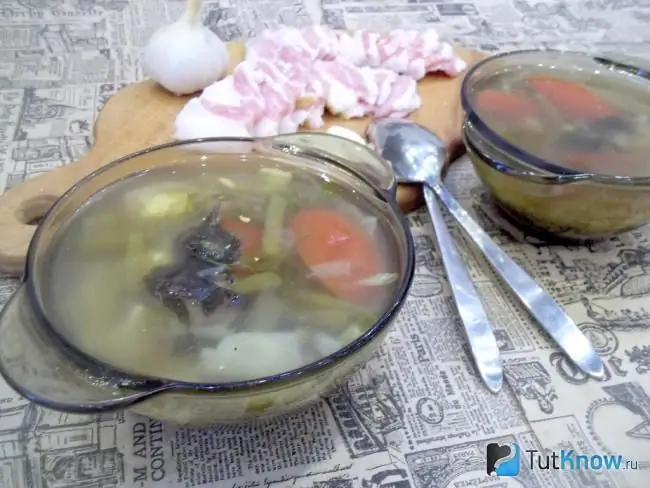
(416, 416)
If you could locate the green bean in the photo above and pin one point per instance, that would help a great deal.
(256, 283)
(323, 300)
(275, 179)
(351, 334)
(273, 226)
(331, 318)
(266, 312)
(258, 186)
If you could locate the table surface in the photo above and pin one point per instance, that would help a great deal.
(60, 60)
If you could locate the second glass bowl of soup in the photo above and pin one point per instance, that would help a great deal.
(210, 281)
(561, 140)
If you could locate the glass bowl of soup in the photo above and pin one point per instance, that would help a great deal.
(210, 281)
(561, 141)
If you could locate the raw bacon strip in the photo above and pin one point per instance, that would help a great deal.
(263, 46)
(309, 44)
(310, 107)
(323, 42)
(410, 52)
(397, 94)
(349, 91)
(292, 76)
(402, 99)
(276, 111)
(445, 61)
(223, 99)
(385, 79)
(195, 121)
(360, 48)
(405, 52)
(287, 44)
(260, 96)
(280, 89)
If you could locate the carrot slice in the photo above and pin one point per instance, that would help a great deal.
(325, 236)
(572, 99)
(505, 106)
(249, 234)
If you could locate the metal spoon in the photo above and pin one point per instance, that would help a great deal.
(418, 155)
(476, 322)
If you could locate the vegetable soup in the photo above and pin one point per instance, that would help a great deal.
(194, 275)
(594, 122)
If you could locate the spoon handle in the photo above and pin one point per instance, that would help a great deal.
(537, 301)
(475, 320)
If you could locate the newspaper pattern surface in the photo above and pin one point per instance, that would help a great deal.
(60, 60)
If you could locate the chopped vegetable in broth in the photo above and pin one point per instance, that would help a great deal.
(591, 122)
(186, 274)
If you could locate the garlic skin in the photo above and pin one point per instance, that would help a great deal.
(184, 57)
(337, 130)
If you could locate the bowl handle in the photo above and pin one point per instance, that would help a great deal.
(633, 65)
(355, 157)
(40, 372)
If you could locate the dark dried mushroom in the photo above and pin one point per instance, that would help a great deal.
(209, 242)
(603, 134)
(196, 287)
(611, 124)
(585, 141)
(185, 287)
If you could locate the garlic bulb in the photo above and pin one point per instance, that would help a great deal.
(337, 130)
(185, 56)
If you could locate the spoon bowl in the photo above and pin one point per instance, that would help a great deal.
(425, 158)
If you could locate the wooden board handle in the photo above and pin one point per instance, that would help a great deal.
(22, 208)
(121, 128)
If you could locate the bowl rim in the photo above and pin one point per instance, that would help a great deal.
(512, 150)
(125, 379)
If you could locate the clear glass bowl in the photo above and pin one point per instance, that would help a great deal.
(40, 363)
(540, 195)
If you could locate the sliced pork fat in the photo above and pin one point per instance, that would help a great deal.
(291, 76)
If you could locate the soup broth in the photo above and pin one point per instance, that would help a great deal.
(596, 122)
(216, 276)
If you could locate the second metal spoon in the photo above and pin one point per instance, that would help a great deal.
(483, 344)
(417, 153)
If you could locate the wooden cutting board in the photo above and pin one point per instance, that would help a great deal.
(142, 115)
